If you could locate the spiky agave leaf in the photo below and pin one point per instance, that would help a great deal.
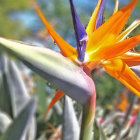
(70, 123)
(5, 91)
(19, 126)
(19, 95)
(17, 92)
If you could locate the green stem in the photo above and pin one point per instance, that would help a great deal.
(88, 119)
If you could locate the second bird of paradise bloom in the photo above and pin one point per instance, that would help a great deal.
(102, 43)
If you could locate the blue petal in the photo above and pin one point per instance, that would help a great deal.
(100, 16)
(80, 32)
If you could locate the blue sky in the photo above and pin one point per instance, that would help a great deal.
(28, 18)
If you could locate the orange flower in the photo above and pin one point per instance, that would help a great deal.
(106, 45)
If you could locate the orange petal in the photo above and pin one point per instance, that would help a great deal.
(116, 7)
(66, 49)
(89, 66)
(106, 52)
(92, 22)
(131, 58)
(126, 32)
(118, 69)
(107, 33)
(123, 102)
(59, 94)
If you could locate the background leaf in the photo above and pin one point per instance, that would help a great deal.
(136, 130)
(20, 124)
(99, 132)
(5, 121)
(71, 128)
(17, 93)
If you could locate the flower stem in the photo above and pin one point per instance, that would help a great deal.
(88, 119)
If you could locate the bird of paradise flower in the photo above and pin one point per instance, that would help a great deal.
(101, 43)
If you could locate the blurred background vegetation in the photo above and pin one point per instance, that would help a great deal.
(19, 21)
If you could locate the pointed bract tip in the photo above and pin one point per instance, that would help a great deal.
(100, 15)
(80, 33)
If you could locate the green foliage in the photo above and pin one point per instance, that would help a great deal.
(107, 88)
(10, 27)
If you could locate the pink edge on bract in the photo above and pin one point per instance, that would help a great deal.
(91, 108)
(132, 120)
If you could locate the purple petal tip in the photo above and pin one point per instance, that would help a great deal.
(100, 16)
(80, 32)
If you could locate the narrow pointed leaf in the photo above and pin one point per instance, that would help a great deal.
(107, 33)
(59, 94)
(66, 49)
(19, 95)
(58, 108)
(57, 69)
(70, 123)
(18, 91)
(136, 130)
(20, 124)
(31, 131)
(5, 90)
(118, 69)
(80, 33)
(41, 94)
